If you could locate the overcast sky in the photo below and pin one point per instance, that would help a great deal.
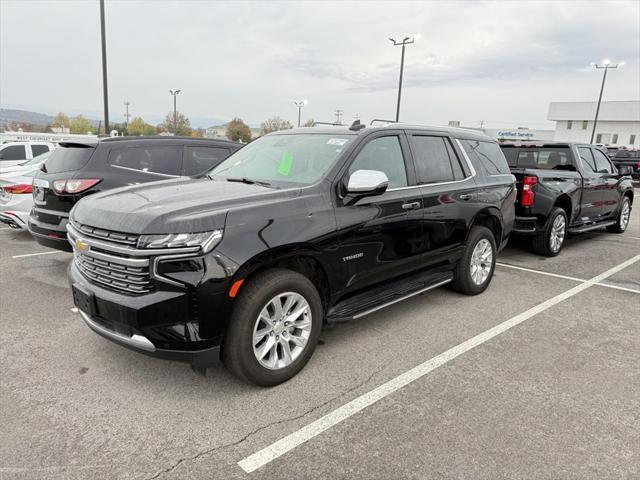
(501, 62)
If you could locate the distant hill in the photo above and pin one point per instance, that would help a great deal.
(8, 115)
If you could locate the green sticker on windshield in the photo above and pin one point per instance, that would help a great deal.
(285, 164)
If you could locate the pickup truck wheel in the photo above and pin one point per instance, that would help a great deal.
(622, 222)
(274, 327)
(475, 269)
(549, 242)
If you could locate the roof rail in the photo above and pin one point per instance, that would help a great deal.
(381, 120)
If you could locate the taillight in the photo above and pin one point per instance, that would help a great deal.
(18, 189)
(75, 185)
(638, 166)
(526, 200)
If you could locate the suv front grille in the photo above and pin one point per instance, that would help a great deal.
(108, 235)
(113, 274)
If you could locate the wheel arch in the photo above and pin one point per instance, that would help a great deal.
(564, 202)
(492, 219)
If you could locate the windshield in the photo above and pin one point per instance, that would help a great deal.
(284, 160)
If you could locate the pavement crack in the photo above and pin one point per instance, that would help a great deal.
(264, 427)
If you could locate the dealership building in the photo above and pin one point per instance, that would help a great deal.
(618, 122)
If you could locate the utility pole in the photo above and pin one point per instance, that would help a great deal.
(104, 69)
(338, 114)
(175, 110)
(126, 115)
(606, 65)
(405, 41)
(300, 104)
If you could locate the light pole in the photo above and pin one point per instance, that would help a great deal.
(606, 65)
(338, 114)
(126, 115)
(104, 69)
(175, 110)
(405, 41)
(300, 104)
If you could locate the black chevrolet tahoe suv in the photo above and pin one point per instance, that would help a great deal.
(298, 228)
(77, 169)
(567, 188)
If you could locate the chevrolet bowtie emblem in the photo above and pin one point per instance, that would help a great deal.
(81, 246)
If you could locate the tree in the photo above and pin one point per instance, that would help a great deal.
(61, 121)
(274, 124)
(309, 123)
(182, 124)
(237, 130)
(80, 125)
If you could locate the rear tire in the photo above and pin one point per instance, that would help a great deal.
(268, 361)
(475, 269)
(622, 222)
(550, 241)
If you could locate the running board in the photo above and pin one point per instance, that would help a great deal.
(594, 226)
(382, 297)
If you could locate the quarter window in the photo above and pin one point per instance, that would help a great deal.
(13, 152)
(200, 159)
(435, 160)
(39, 150)
(602, 164)
(385, 155)
(165, 160)
(587, 159)
(487, 154)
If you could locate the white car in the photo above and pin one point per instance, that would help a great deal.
(15, 153)
(29, 166)
(16, 199)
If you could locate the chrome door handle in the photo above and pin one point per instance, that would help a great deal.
(466, 196)
(410, 206)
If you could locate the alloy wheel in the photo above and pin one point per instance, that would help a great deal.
(481, 261)
(281, 331)
(625, 215)
(558, 232)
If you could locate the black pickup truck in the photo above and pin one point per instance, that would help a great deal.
(628, 158)
(566, 188)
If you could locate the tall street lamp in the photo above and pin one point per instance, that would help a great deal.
(126, 115)
(405, 41)
(104, 69)
(175, 110)
(606, 65)
(300, 104)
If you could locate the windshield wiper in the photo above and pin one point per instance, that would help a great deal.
(248, 181)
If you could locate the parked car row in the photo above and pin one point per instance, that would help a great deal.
(245, 258)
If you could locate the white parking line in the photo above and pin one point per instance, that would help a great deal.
(565, 277)
(39, 253)
(288, 443)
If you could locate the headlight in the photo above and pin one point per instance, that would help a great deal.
(204, 240)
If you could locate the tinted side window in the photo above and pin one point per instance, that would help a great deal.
(587, 159)
(165, 160)
(200, 159)
(602, 163)
(39, 149)
(433, 160)
(487, 154)
(385, 155)
(13, 152)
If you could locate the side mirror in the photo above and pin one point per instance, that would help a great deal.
(625, 170)
(364, 183)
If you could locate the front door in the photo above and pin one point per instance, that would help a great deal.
(381, 236)
(609, 195)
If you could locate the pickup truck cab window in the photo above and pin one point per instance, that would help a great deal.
(543, 158)
(39, 149)
(435, 159)
(587, 159)
(383, 154)
(602, 162)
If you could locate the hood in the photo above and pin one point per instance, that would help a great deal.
(170, 206)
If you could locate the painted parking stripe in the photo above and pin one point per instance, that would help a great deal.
(306, 433)
(565, 277)
(39, 253)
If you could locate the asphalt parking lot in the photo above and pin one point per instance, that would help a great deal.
(536, 378)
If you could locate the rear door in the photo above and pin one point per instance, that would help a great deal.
(149, 162)
(609, 193)
(593, 184)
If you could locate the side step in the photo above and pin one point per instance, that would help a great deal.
(592, 226)
(381, 297)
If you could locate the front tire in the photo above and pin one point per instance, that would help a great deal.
(550, 241)
(274, 327)
(475, 269)
(622, 222)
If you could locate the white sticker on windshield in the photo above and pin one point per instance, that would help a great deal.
(336, 141)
